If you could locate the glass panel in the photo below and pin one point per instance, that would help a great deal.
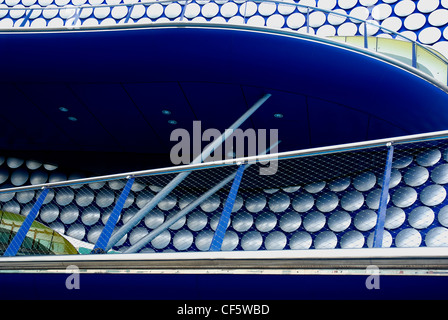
(431, 64)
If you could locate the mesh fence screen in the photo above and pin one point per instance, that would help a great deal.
(312, 201)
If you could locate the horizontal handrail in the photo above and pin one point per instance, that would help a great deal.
(238, 261)
(251, 159)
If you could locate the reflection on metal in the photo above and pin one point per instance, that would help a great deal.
(364, 181)
(395, 217)
(314, 221)
(203, 240)
(315, 187)
(300, 240)
(325, 240)
(183, 240)
(275, 241)
(266, 221)
(408, 238)
(230, 241)
(251, 241)
(303, 202)
(154, 219)
(416, 176)
(365, 220)
(421, 217)
(352, 239)
(327, 202)
(279, 202)
(39, 240)
(440, 174)
(242, 221)
(433, 195)
(256, 203)
(290, 222)
(196, 221)
(339, 184)
(404, 197)
(339, 221)
(437, 237)
(429, 158)
(352, 200)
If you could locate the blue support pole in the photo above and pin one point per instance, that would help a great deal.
(379, 229)
(221, 229)
(183, 10)
(103, 240)
(128, 16)
(27, 17)
(308, 20)
(17, 241)
(366, 44)
(181, 176)
(414, 55)
(76, 17)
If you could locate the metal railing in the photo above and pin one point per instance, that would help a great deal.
(347, 147)
(320, 198)
(409, 51)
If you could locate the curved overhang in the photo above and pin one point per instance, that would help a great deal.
(117, 81)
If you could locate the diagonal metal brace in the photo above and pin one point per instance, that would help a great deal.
(17, 241)
(379, 229)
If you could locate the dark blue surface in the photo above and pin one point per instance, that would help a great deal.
(117, 82)
(191, 287)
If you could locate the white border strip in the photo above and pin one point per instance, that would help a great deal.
(318, 254)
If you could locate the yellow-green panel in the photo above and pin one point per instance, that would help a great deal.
(39, 238)
(431, 64)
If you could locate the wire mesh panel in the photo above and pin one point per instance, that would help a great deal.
(416, 213)
(325, 200)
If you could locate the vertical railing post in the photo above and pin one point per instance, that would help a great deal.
(220, 231)
(379, 229)
(103, 240)
(27, 17)
(183, 10)
(76, 17)
(128, 16)
(245, 12)
(366, 44)
(414, 55)
(308, 20)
